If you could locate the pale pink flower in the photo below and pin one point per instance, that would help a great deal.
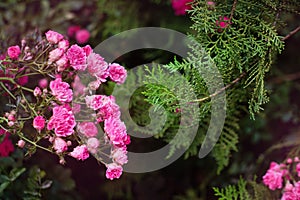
(89, 129)
(113, 171)
(82, 36)
(72, 30)
(63, 44)
(53, 37)
(97, 66)
(77, 57)
(62, 63)
(92, 144)
(181, 6)
(80, 152)
(62, 121)
(59, 145)
(273, 177)
(119, 155)
(43, 83)
(117, 73)
(21, 143)
(14, 52)
(54, 55)
(39, 123)
(210, 3)
(78, 87)
(76, 108)
(10, 123)
(61, 90)
(37, 91)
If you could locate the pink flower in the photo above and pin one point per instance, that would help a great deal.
(62, 63)
(53, 37)
(181, 6)
(80, 152)
(288, 192)
(59, 145)
(77, 57)
(97, 67)
(87, 49)
(23, 80)
(119, 155)
(116, 131)
(6, 146)
(43, 83)
(117, 73)
(54, 55)
(298, 169)
(62, 121)
(61, 90)
(63, 44)
(89, 129)
(72, 30)
(37, 91)
(93, 144)
(113, 171)
(210, 3)
(78, 87)
(82, 36)
(76, 108)
(223, 22)
(21, 143)
(14, 52)
(39, 123)
(273, 177)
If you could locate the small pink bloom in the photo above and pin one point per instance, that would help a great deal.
(117, 73)
(93, 144)
(61, 90)
(39, 123)
(62, 63)
(55, 54)
(21, 143)
(37, 91)
(23, 80)
(210, 3)
(63, 44)
(76, 108)
(53, 37)
(89, 129)
(87, 49)
(11, 117)
(97, 66)
(80, 152)
(223, 22)
(113, 171)
(82, 36)
(116, 131)
(119, 155)
(289, 161)
(273, 178)
(296, 159)
(181, 6)
(72, 30)
(298, 169)
(77, 57)
(78, 87)
(6, 146)
(43, 83)
(59, 145)
(14, 52)
(10, 123)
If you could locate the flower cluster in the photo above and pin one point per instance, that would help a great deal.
(286, 174)
(181, 6)
(57, 100)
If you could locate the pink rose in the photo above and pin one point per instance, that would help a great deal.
(53, 37)
(78, 87)
(59, 145)
(80, 152)
(223, 22)
(72, 30)
(43, 83)
(39, 123)
(6, 146)
(54, 55)
(117, 73)
(93, 144)
(61, 90)
(63, 44)
(87, 49)
(89, 129)
(62, 63)
(116, 131)
(113, 171)
(77, 57)
(119, 155)
(62, 121)
(21, 143)
(82, 36)
(14, 52)
(37, 91)
(181, 6)
(97, 67)
(273, 178)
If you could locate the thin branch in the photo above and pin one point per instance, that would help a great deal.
(222, 89)
(233, 9)
(288, 77)
(291, 33)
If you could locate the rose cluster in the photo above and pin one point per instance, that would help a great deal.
(59, 96)
(284, 176)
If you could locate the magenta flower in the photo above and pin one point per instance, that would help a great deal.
(116, 131)
(77, 57)
(6, 146)
(61, 90)
(72, 30)
(14, 52)
(113, 171)
(274, 176)
(82, 36)
(53, 37)
(43, 83)
(39, 123)
(223, 22)
(80, 152)
(181, 6)
(117, 73)
(88, 129)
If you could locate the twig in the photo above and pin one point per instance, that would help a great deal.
(233, 9)
(291, 33)
(288, 77)
(222, 89)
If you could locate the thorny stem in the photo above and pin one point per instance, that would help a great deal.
(222, 89)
